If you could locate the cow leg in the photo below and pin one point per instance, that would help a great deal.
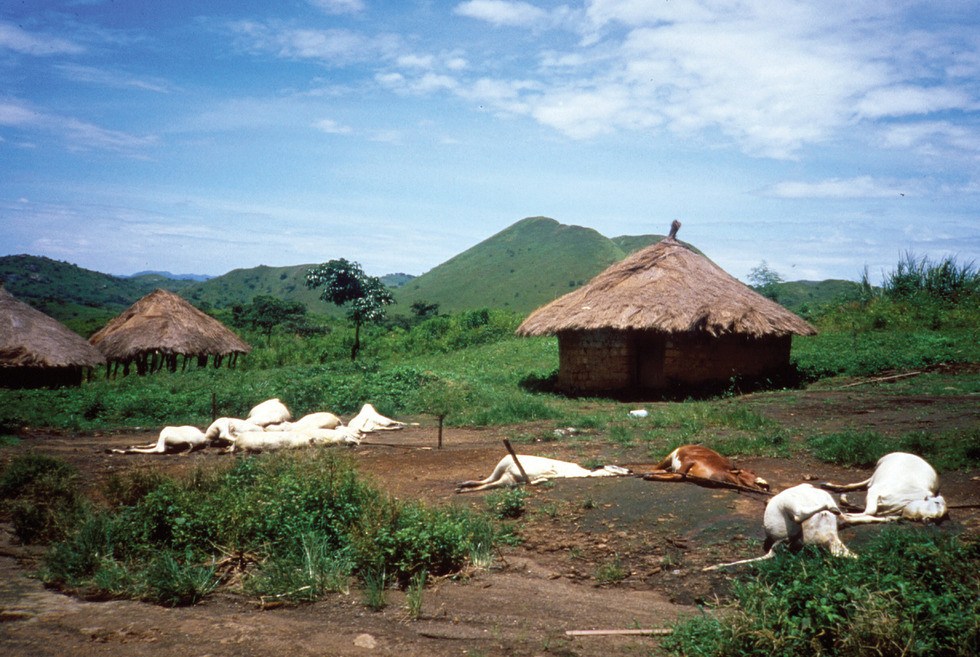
(662, 475)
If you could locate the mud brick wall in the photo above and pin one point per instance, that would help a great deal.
(607, 360)
(595, 360)
(701, 359)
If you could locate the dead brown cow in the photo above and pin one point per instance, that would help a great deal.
(702, 465)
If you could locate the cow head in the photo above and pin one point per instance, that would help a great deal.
(749, 479)
(930, 508)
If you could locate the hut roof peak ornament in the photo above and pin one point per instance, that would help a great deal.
(674, 227)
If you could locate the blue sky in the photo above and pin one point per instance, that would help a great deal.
(199, 137)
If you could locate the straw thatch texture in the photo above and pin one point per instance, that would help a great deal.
(31, 339)
(670, 289)
(164, 323)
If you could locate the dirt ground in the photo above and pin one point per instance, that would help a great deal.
(658, 535)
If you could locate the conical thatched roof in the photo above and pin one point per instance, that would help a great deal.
(29, 338)
(164, 322)
(666, 287)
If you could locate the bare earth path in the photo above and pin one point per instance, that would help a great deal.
(658, 535)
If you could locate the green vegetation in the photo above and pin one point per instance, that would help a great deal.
(952, 449)
(299, 527)
(294, 527)
(908, 593)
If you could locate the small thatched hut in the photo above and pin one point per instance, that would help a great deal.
(38, 351)
(161, 326)
(664, 317)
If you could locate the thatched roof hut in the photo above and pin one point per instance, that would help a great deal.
(37, 350)
(664, 315)
(161, 326)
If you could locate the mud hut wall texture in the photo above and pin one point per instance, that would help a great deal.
(605, 360)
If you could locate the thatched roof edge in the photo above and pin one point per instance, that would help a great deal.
(668, 288)
(29, 338)
(163, 322)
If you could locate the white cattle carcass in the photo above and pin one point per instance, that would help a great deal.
(538, 469)
(171, 440)
(801, 515)
(271, 411)
(368, 420)
(311, 421)
(270, 441)
(222, 431)
(902, 486)
(339, 436)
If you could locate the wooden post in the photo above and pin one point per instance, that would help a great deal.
(441, 418)
(513, 455)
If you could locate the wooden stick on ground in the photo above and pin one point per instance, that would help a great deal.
(881, 378)
(513, 455)
(651, 632)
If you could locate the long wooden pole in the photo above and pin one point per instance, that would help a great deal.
(651, 632)
(513, 455)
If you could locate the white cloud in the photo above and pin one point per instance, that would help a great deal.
(76, 133)
(906, 100)
(838, 188)
(18, 40)
(331, 127)
(339, 6)
(116, 79)
(502, 12)
(933, 137)
(336, 47)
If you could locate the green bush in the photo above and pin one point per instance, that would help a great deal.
(41, 496)
(908, 593)
(308, 521)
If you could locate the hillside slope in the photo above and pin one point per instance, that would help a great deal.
(520, 268)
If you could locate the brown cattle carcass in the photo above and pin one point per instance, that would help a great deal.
(706, 466)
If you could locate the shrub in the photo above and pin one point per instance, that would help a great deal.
(41, 495)
(510, 503)
(909, 593)
(308, 522)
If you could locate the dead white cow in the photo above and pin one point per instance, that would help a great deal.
(271, 411)
(538, 469)
(902, 486)
(321, 420)
(801, 515)
(270, 441)
(368, 420)
(171, 440)
(222, 431)
(337, 436)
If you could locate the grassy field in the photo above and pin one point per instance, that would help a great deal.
(153, 539)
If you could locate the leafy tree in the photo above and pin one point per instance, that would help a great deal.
(266, 312)
(764, 280)
(441, 397)
(346, 285)
(424, 309)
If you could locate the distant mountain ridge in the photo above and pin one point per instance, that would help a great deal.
(174, 277)
(520, 268)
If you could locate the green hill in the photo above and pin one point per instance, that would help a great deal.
(81, 298)
(797, 295)
(520, 268)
